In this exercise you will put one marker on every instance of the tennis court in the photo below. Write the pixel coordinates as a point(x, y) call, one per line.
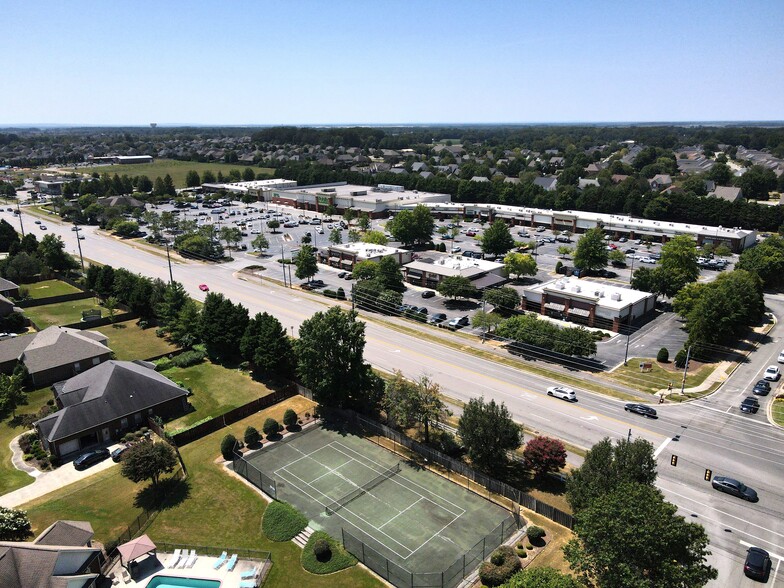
point(411, 516)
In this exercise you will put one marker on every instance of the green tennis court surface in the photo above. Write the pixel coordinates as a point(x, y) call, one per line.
point(413, 517)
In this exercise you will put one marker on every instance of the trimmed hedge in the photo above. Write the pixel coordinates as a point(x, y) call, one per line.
point(282, 522)
point(183, 360)
point(340, 559)
point(496, 574)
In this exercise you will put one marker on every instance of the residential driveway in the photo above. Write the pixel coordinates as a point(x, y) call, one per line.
point(46, 482)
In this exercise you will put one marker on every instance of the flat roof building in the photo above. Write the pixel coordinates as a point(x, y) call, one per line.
point(254, 188)
point(594, 304)
point(346, 255)
point(429, 271)
point(577, 221)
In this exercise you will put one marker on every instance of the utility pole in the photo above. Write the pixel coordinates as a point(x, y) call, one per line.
point(628, 336)
point(19, 214)
point(79, 244)
point(168, 258)
point(283, 265)
point(685, 368)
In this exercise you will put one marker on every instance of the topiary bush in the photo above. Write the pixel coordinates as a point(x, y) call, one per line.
point(680, 358)
point(271, 427)
point(289, 418)
point(282, 522)
point(227, 446)
point(535, 534)
point(341, 294)
point(251, 436)
point(339, 558)
point(663, 356)
point(322, 550)
point(493, 574)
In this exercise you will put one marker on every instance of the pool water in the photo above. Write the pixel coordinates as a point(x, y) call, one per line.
point(172, 582)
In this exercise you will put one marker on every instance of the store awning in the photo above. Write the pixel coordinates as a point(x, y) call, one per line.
point(579, 312)
point(554, 306)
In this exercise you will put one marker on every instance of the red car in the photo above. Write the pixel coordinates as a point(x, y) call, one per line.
point(471, 234)
point(204, 287)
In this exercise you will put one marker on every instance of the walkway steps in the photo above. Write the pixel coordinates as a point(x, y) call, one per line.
point(303, 537)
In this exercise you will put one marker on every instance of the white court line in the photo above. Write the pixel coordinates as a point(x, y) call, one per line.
point(329, 472)
point(661, 447)
point(344, 510)
point(401, 512)
point(747, 544)
point(427, 493)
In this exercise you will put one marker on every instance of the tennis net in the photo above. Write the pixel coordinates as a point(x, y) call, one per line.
point(354, 494)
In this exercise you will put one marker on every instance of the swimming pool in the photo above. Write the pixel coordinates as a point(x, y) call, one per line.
point(172, 582)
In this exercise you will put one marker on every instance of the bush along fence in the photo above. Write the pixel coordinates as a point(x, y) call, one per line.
point(481, 481)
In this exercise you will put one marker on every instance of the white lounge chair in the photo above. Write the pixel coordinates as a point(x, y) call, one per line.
point(174, 559)
point(183, 559)
point(232, 562)
point(192, 559)
point(125, 575)
point(219, 562)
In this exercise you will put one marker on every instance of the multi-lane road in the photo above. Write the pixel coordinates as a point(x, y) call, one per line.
point(706, 434)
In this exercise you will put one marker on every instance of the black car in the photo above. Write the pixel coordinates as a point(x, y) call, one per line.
point(436, 318)
point(734, 487)
point(317, 283)
point(749, 404)
point(428, 294)
point(757, 563)
point(342, 274)
point(118, 453)
point(642, 409)
point(85, 460)
point(761, 388)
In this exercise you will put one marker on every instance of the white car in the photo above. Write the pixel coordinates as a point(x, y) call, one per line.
point(772, 373)
point(563, 393)
point(781, 357)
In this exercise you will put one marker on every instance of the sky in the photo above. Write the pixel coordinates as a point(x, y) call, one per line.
point(300, 62)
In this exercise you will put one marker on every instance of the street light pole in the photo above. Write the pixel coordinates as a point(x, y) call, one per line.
point(685, 369)
point(79, 244)
point(168, 258)
point(19, 214)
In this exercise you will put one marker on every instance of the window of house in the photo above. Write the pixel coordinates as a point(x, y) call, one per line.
point(77, 367)
point(96, 360)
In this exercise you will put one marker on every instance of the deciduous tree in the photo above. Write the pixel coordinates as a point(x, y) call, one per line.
point(14, 525)
point(457, 287)
point(544, 455)
point(520, 264)
point(488, 432)
point(497, 240)
point(504, 299)
point(266, 345)
point(591, 253)
point(148, 461)
point(306, 263)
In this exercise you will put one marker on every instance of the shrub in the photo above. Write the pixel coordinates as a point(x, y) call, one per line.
point(251, 436)
point(535, 534)
point(341, 294)
point(493, 574)
point(680, 359)
point(289, 417)
point(522, 553)
point(558, 267)
point(188, 358)
point(163, 365)
point(330, 293)
point(339, 560)
point(271, 427)
point(282, 522)
point(663, 356)
point(27, 456)
point(322, 550)
point(227, 446)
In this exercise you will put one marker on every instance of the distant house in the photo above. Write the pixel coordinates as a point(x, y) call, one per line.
point(557, 161)
point(103, 403)
point(8, 288)
point(728, 193)
point(419, 166)
point(660, 181)
point(480, 179)
point(125, 202)
point(60, 557)
point(618, 178)
point(549, 183)
point(583, 183)
point(54, 354)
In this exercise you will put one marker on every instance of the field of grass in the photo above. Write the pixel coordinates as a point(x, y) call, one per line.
point(10, 477)
point(777, 411)
point(129, 341)
point(49, 288)
point(176, 169)
point(211, 508)
point(63, 313)
point(216, 389)
point(658, 378)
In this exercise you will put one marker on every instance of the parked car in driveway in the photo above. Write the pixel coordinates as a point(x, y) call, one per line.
point(772, 373)
point(761, 388)
point(750, 404)
point(642, 409)
point(757, 564)
point(734, 487)
point(118, 453)
point(562, 392)
point(85, 460)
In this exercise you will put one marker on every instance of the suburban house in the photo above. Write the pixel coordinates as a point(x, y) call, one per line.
point(660, 182)
point(7, 307)
point(60, 557)
point(728, 193)
point(548, 183)
point(8, 288)
point(54, 354)
point(592, 304)
point(105, 402)
point(346, 255)
point(429, 272)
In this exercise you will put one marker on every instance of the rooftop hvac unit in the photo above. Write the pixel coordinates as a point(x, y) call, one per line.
point(561, 285)
point(616, 296)
point(577, 289)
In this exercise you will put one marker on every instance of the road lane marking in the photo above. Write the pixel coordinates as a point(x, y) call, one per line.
point(747, 544)
point(661, 447)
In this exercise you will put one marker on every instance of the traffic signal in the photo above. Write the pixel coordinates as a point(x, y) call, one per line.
point(708, 475)
point(674, 460)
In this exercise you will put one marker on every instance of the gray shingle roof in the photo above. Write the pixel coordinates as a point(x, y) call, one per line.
point(27, 565)
point(56, 346)
point(73, 533)
point(105, 393)
point(6, 285)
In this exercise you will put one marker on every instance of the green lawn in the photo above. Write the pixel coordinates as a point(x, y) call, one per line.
point(129, 341)
point(216, 389)
point(49, 288)
point(777, 411)
point(658, 378)
point(63, 313)
point(217, 510)
point(10, 477)
point(176, 169)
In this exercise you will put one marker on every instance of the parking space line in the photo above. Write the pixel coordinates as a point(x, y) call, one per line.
point(747, 544)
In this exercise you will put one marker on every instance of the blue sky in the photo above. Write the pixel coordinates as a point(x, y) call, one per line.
point(389, 62)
